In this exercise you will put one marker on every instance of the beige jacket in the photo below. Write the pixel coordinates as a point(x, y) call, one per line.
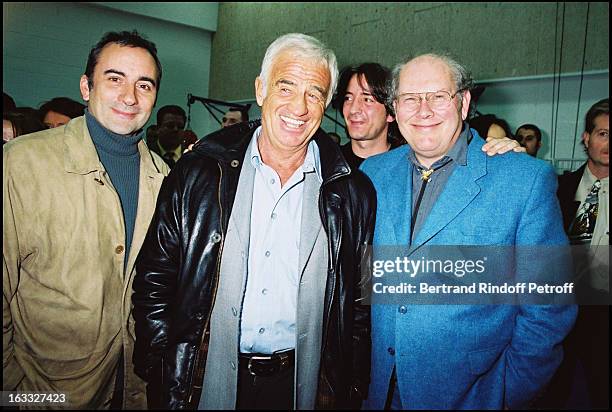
point(66, 300)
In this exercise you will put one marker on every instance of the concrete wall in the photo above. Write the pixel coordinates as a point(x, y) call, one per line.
point(495, 40)
point(510, 47)
point(45, 49)
point(515, 49)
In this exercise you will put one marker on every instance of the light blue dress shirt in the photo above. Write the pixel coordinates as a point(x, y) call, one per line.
point(270, 301)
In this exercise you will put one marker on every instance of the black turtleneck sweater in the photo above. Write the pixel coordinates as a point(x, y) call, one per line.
point(121, 160)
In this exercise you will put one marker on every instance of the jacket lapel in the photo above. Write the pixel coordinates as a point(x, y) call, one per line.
point(240, 217)
point(394, 191)
point(402, 191)
point(80, 155)
point(311, 221)
point(461, 188)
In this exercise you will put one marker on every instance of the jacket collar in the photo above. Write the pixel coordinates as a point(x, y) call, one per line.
point(81, 157)
point(232, 143)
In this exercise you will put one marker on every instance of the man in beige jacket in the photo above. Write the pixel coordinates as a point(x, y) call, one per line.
point(77, 202)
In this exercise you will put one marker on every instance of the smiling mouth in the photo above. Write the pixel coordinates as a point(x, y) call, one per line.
point(124, 114)
point(424, 126)
point(292, 123)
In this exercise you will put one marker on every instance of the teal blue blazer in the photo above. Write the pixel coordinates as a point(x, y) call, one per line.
point(468, 356)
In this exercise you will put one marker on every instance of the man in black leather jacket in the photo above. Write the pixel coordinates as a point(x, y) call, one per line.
point(193, 292)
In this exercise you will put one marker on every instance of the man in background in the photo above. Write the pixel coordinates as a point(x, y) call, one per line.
point(363, 98)
point(584, 197)
point(234, 115)
point(170, 134)
point(59, 111)
point(530, 137)
point(370, 124)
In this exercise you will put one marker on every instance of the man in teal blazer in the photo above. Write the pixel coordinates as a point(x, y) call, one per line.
point(459, 356)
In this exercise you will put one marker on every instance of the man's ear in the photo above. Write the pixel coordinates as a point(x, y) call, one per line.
point(585, 139)
point(465, 104)
point(259, 91)
point(84, 87)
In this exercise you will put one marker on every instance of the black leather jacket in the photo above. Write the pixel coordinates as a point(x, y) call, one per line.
point(178, 271)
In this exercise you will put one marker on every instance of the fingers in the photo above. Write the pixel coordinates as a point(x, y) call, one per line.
point(500, 146)
point(189, 148)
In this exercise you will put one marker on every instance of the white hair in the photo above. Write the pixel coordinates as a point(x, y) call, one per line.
point(303, 46)
point(460, 75)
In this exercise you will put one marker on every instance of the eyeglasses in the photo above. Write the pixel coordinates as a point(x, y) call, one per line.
point(437, 100)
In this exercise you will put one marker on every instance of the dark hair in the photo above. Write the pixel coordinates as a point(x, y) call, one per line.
point(534, 128)
point(376, 77)
point(62, 105)
point(483, 122)
point(170, 109)
point(124, 38)
point(599, 108)
point(244, 113)
point(8, 104)
point(24, 121)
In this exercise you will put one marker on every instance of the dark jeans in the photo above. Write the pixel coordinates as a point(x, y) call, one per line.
point(260, 392)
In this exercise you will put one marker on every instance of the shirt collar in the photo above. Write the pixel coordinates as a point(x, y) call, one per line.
point(591, 177)
point(177, 152)
point(312, 162)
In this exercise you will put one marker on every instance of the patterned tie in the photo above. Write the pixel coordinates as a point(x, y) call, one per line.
point(581, 229)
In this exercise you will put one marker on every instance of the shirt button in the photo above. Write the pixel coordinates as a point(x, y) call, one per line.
point(119, 249)
point(402, 309)
point(234, 311)
point(264, 292)
point(267, 253)
point(262, 330)
point(391, 351)
point(273, 216)
point(272, 181)
point(233, 365)
point(216, 238)
point(234, 163)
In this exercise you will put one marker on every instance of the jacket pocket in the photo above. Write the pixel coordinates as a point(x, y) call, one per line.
point(484, 235)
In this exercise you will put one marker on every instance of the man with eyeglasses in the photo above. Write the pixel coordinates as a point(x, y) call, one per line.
point(368, 114)
point(441, 189)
